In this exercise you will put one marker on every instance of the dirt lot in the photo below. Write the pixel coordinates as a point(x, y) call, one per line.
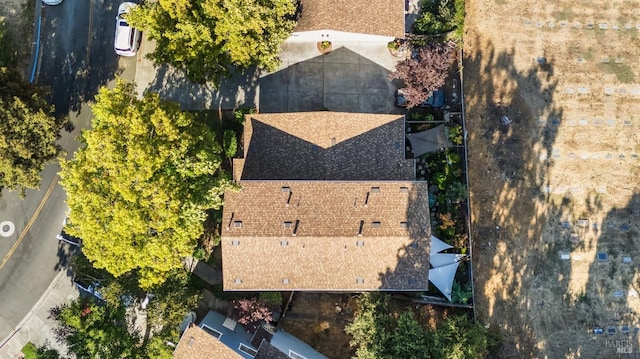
point(561, 178)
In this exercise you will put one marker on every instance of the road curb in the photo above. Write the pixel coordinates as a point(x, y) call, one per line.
point(36, 307)
point(35, 48)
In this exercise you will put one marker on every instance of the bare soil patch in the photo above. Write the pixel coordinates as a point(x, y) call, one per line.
point(561, 179)
point(318, 319)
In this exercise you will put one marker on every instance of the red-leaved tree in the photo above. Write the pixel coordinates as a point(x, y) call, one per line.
point(424, 72)
point(250, 312)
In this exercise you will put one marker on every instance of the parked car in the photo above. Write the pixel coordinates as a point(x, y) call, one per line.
point(51, 2)
point(127, 38)
point(436, 99)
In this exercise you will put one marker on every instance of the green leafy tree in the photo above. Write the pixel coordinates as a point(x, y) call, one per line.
point(167, 306)
point(230, 143)
point(459, 337)
point(139, 190)
point(95, 331)
point(441, 16)
point(208, 38)
point(166, 310)
point(28, 130)
point(409, 339)
point(376, 333)
point(371, 327)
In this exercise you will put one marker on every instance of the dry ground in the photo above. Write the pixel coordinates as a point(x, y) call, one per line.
point(571, 153)
point(318, 319)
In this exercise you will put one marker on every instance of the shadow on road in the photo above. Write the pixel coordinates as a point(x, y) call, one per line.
point(76, 52)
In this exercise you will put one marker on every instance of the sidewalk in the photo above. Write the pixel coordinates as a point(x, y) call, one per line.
point(171, 84)
point(36, 327)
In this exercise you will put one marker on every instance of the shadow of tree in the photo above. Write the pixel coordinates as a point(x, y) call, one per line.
point(509, 191)
point(75, 64)
point(238, 90)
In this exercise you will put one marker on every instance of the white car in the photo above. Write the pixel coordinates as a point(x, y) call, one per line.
point(127, 38)
point(52, 2)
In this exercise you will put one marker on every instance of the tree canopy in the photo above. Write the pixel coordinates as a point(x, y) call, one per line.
point(165, 310)
point(424, 73)
point(139, 190)
point(209, 38)
point(380, 334)
point(28, 129)
point(93, 330)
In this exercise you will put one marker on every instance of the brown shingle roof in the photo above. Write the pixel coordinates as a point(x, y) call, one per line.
point(195, 343)
point(324, 146)
point(261, 252)
point(374, 17)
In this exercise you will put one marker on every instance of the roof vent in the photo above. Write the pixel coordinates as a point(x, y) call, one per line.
point(375, 189)
point(237, 281)
point(235, 242)
point(289, 198)
point(361, 227)
point(287, 224)
point(285, 189)
point(333, 141)
point(404, 224)
point(191, 342)
point(360, 243)
point(360, 280)
point(295, 228)
point(285, 280)
point(237, 224)
point(404, 189)
point(284, 243)
point(376, 224)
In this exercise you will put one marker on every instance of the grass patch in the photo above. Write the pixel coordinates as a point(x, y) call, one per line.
point(598, 33)
point(501, 2)
point(588, 55)
point(563, 14)
point(623, 72)
point(30, 351)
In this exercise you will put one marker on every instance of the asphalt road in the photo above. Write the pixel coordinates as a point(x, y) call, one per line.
point(76, 58)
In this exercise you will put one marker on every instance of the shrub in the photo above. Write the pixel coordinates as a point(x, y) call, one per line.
point(230, 143)
point(250, 312)
point(425, 73)
point(272, 298)
point(454, 133)
point(441, 16)
point(238, 114)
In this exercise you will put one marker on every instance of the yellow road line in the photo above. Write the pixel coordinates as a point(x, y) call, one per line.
point(31, 221)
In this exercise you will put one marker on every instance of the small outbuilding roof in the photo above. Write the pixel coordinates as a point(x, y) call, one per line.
point(195, 343)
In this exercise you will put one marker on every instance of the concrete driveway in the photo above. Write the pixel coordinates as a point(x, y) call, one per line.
point(351, 78)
